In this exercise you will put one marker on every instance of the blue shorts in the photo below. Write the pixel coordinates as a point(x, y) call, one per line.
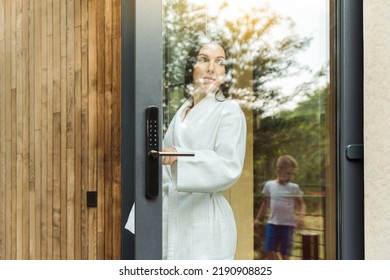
point(279, 238)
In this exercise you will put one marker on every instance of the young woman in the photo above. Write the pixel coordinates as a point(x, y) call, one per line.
point(198, 222)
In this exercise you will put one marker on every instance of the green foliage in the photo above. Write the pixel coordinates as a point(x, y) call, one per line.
point(301, 133)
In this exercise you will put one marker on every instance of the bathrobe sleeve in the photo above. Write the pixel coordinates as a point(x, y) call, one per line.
point(216, 169)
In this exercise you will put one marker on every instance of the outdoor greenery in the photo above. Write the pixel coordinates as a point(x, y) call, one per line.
point(301, 133)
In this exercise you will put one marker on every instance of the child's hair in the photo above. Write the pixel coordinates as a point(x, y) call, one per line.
point(286, 161)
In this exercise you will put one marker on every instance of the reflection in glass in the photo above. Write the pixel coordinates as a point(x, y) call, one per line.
point(281, 79)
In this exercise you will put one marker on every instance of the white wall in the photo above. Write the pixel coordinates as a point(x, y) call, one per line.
point(377, 128)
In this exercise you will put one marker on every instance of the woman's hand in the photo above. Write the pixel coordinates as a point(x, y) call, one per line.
point(169, 160)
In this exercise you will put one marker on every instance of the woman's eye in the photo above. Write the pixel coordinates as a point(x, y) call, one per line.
point(221, 62)
point(202, 59)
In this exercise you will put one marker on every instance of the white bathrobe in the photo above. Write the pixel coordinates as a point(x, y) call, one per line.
point(198, 222)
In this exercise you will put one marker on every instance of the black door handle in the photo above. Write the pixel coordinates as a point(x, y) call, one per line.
point(153, 152)
point(156, 154)
point(354, 151)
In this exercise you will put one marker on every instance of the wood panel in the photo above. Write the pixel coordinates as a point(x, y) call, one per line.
point(60, 136)
point(242, 193)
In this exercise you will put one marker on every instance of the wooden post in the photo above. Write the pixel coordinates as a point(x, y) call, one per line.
point(309, 246)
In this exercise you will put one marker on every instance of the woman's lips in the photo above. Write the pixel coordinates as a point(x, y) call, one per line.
point(208, 79)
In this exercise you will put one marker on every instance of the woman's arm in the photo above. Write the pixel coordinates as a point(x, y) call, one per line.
point(214, 170)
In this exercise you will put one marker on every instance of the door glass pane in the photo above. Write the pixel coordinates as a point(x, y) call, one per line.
point(282, 79)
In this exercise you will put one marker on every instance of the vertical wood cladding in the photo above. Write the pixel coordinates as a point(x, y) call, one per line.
point(60, 96)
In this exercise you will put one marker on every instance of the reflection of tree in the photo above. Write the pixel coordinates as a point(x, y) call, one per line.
point(182, 21)
point(262, 56)
point(259, 57)
point(300, 132)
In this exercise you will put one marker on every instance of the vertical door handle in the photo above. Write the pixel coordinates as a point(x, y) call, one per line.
point(153, 152)
point(152, 168)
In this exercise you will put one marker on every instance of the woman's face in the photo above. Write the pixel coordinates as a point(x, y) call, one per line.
point(209, 69)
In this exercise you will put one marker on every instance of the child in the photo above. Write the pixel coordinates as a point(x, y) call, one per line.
point(282, 197)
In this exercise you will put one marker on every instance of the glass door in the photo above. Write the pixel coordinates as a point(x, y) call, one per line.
point(284, 60)
point(280, 53)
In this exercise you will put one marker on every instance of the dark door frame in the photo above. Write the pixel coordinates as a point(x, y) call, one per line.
point(128, 121)
point(141, 87)
point(350, 175)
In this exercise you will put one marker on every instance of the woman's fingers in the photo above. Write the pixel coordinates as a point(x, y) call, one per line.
point(169, 160)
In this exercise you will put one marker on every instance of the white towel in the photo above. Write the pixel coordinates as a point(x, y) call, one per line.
point(130, 225)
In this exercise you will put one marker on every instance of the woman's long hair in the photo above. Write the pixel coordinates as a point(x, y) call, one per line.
point(191, 61)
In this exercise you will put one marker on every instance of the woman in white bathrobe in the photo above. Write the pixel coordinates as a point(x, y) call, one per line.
point(198, 222)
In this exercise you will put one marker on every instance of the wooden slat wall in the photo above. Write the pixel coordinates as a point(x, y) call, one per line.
point(60, 102)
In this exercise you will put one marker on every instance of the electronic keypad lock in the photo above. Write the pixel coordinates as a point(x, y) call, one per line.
point(153, 152)
point(152, 144)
